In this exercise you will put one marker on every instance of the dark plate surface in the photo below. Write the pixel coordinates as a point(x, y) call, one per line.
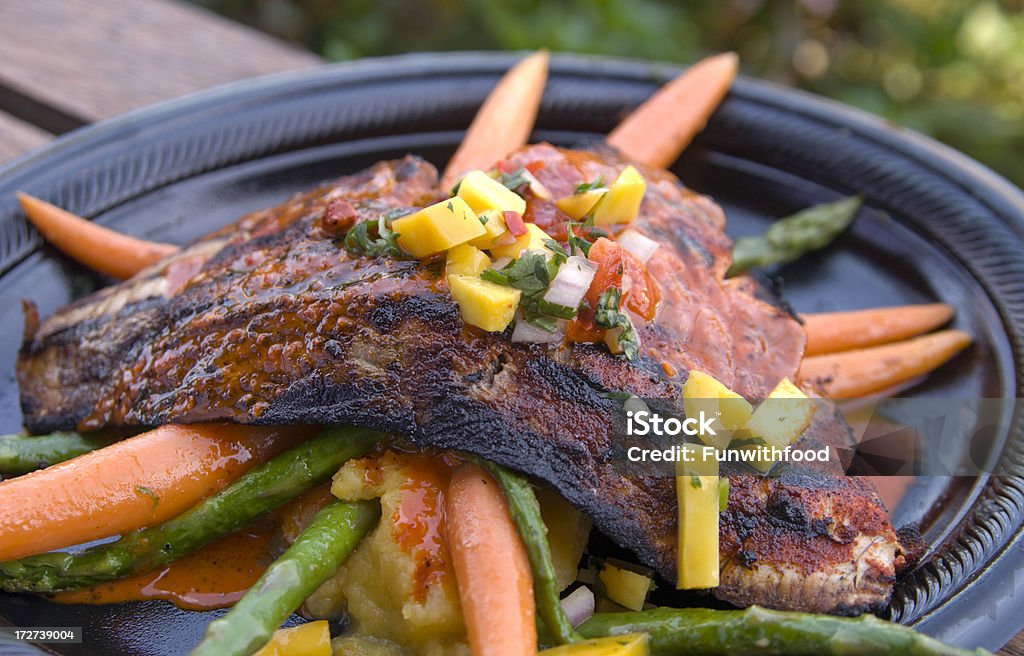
point(936, 226)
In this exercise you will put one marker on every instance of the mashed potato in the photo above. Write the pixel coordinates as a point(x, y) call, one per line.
point(399, 587)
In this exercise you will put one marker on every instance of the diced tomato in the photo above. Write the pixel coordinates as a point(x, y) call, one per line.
point(514, 223)
point(607, 255)
point(643, 295)
point(613, 265)
point(534, 166)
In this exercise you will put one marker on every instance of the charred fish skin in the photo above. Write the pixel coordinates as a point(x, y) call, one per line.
point(270, 321)
point(809, 536)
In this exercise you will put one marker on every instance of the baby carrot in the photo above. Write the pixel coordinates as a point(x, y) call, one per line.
point(661, 128)
point(832, 332)
point(504, 121)
point(491, 567)
point(857, 373)
point(137, 482)
point(98, 248)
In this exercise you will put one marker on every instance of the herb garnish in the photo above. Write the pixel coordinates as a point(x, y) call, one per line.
point(557, 249)
point(607, 315)
point(584, 187)
point(577, 243)
point(515, 179)
point(374, 238)
point(532, 274)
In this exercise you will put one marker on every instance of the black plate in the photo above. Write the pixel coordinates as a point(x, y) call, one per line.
point(937, 226)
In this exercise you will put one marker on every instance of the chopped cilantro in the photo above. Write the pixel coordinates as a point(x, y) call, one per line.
point(590, 186)
point(607, 315)
point(555, 248)
point(360, 240)
point(529, 274)
point(577, 243)
point(451, 208)
point(544, 323)
point(483, 219)
point(397, 213)
point(532, 274)
point(556, 310)
point(747, 441)
point(515, 179)
point(695, 481)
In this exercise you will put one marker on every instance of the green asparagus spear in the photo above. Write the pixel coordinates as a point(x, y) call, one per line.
point(261, 489)
point(311, 560)
point(522, 503)
point(759, 631)
point(20, 454)
point(791, 237)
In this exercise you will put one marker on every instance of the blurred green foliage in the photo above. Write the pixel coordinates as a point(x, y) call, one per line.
point(953, 69)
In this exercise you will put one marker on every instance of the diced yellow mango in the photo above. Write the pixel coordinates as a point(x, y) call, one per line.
point(309, 639)
point(627, 644)
point(622, 202)
point(482, 193)
point(465, 260)
point(577, 205)
point(437, 228)
point(697, 493)
point(533, 240)
point(484, 304)
point(494, 228)
point(625, 587)
point(779, 421)
point(704, 393)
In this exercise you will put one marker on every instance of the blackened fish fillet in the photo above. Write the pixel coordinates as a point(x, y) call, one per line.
point(270, 321)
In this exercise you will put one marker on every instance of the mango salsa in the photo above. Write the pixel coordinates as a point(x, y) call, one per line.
point(533, 240)
point(494, 228)
point(779, 421)
point(484, 304)
point(704, 393)
point(627, 644)
point(625, 587)
point(697, 493)
point(622, 202)
point(577, 205)
point(482, 192)
point(465, 260)
point(309, 639)
point(437, 228)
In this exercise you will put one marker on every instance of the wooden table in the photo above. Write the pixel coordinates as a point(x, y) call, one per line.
point(68, 63)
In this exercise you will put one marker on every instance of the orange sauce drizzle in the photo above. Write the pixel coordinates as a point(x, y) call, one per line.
point(418, 519)
point(213, 577)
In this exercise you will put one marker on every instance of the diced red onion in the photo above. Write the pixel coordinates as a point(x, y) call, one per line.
point(640, 246)
point(536, 187)
point(501, 262)
point(571, 282)
point(527, 333)
point(579, 605)
point(504, 239)
point(514, 223)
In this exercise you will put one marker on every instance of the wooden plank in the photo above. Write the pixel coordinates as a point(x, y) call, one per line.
point(88, 60)
point(18, 137)
point(1015, 647)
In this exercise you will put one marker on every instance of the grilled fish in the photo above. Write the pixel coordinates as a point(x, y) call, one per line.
point(271, 321)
